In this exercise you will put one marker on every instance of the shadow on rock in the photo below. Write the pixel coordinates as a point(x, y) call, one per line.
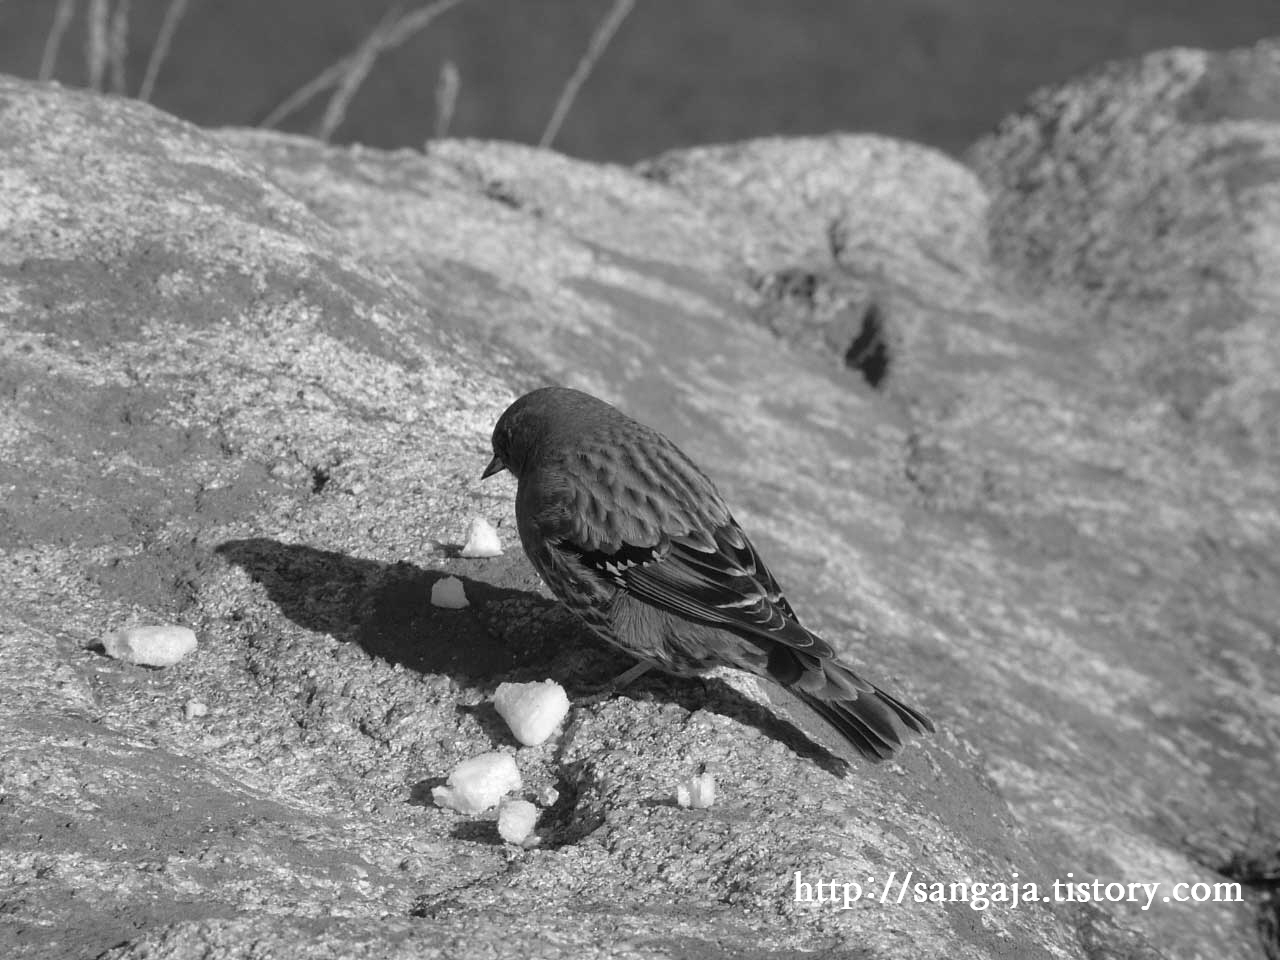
point(505, 633)
point(385, 608)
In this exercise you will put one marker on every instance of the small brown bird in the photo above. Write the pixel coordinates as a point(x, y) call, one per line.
point(635, 540)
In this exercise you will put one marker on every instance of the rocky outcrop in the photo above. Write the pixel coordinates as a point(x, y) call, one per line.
point(1006, 431)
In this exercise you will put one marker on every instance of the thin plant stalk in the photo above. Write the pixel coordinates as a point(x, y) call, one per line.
point(168, 27)
point(95, 42)
point(447, 88)
point(359, 66)
point(332, 76)
point(599, 40)
point(118, 45)
point(53, 42)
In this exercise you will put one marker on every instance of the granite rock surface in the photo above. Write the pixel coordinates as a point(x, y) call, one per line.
point(1007, 430)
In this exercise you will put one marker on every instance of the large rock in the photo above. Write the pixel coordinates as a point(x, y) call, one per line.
point(1007, 434)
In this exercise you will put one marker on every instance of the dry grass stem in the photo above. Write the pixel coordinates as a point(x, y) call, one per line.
point(95, 43)
point(118, 46)
point(599, 40)
point(336, 75)
point(359, 65)
point(447, 88)
point(53, 42)
point(168, 27)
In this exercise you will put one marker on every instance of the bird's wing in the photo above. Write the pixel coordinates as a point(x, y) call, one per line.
point(645, 519)
point(716, 578)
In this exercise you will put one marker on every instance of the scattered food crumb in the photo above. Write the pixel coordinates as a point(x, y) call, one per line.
point(286, 470)
point(482, 540)
point(161, 646)
point(698, 792)
point(532, 710)
point(194, 708)
point(477, 784)
point(516, 819)
point(447, 592)
point(548, 796)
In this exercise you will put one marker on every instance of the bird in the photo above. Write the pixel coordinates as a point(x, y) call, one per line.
point(632, 537)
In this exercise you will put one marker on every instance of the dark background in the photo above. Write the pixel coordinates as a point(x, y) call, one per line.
point(678, 72)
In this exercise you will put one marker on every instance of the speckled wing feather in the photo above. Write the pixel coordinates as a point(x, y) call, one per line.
point(648, 521)
point(725, 586)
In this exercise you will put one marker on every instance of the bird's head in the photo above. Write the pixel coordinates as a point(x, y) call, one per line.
point(541, 422)
point(524, 428)
point(508, 451)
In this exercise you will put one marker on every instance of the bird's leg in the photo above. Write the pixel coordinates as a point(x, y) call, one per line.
point(616, 684)
point(624, 678)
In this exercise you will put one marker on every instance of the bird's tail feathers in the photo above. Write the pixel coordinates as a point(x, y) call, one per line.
point(874, 722)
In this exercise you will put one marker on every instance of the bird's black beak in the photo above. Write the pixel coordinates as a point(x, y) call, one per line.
point(495, 466)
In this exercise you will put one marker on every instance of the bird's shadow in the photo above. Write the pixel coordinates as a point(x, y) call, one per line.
point(506, 632)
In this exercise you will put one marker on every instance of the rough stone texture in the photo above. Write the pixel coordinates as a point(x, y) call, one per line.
point(1007, 433)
